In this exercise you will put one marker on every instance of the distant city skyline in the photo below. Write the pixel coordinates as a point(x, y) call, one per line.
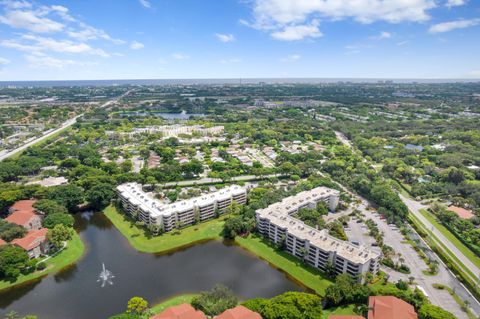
point(188, 39)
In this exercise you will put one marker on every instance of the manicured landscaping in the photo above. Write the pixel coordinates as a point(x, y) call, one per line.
point(177, 300)
point(302, 273)
point(141, 241)
point(342, 310)
point(69, 255)
point(451, 237)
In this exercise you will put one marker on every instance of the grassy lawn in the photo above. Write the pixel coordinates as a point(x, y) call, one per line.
point(451, 237)
point(166, 242)
point(172, 302)
point(344, 310)
point(306, 275)
point(68, 256)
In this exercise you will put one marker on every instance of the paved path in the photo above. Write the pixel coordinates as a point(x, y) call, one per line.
point(415, 208)
point(65, 125)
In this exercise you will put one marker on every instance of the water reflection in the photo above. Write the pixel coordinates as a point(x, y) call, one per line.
point(73, 292)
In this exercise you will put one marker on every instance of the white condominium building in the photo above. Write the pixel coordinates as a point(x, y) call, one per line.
point(186, 212)
point(176, 130)
point(317, 247)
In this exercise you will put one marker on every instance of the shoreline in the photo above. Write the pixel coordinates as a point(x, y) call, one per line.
point(303, 275)
point(76, 250)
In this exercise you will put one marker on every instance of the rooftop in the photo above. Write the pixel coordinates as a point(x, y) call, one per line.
point(390, 307)
point(461, 212)
point(279, 214)
point(135, 194)
point(239, 312)
point(33, 239)
point(182, 311)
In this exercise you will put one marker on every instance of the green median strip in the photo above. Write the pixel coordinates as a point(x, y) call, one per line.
point(66, 257)
point(451, 237)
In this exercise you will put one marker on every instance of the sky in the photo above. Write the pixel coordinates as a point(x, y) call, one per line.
point(180, 39)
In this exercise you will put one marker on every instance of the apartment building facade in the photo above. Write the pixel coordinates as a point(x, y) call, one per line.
point(277, 222)
point(143, 207)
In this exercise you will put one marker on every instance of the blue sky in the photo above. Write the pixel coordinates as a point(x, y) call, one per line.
point(140, 39)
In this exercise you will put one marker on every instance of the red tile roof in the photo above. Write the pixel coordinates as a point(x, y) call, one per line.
point(345, 317)
point(23, 205)
point(20, 218)
point(22, 212)
point(461, 212)
point(2, 242)
point(33, 239)
point(183, 311)
point(390, 307)
point(239, 312)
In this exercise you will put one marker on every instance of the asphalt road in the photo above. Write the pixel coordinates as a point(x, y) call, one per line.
point(66, 124)
point(415, 208)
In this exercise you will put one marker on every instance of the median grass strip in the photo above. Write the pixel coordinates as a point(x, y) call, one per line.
point(141, 241)
point(451, 237)
point(300, 272)
point(69, 255)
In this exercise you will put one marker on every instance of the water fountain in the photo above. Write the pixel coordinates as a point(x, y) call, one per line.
point(105, 276)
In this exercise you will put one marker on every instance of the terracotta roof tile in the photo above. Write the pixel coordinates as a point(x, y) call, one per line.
point(33, 239)
point(182, 311)
point(2, 242)
point(239, 312)
point(390, 307)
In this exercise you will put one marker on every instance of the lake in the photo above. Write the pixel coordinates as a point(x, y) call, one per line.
point(75, 293)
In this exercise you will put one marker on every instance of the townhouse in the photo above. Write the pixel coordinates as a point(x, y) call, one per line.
point(277, 222)
point(179, 214)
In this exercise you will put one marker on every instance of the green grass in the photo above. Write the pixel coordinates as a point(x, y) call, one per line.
point(177, 300)
point(66, 257)
point(451, 237)
point(297, 270)
point(141, 241)
point(343, 310)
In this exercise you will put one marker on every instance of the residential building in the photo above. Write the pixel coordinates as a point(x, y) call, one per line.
point(239, 312)
point(182, 213)
point(22, 213)
point(183, 311)
point(390, 307)
point(2, 242)
point(461, 212)
point(35, 243)
point(321, 250)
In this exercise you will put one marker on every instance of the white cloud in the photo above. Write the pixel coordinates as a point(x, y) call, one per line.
point(455, 3)
point(31, 20)
point(402, 43)
point(383, 35)
point(180, 56)
point(291, 58)
point(37, 45)
point(4, 61)
point(225, 37)
point(298, 32)
point(135, 45)
point(145, 3)
point(49, 62)
point(453, 25)
point(474, 74)
point(16, 4)
point(280, 16)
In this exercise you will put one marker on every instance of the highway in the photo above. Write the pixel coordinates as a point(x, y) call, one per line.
point(46, 135)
